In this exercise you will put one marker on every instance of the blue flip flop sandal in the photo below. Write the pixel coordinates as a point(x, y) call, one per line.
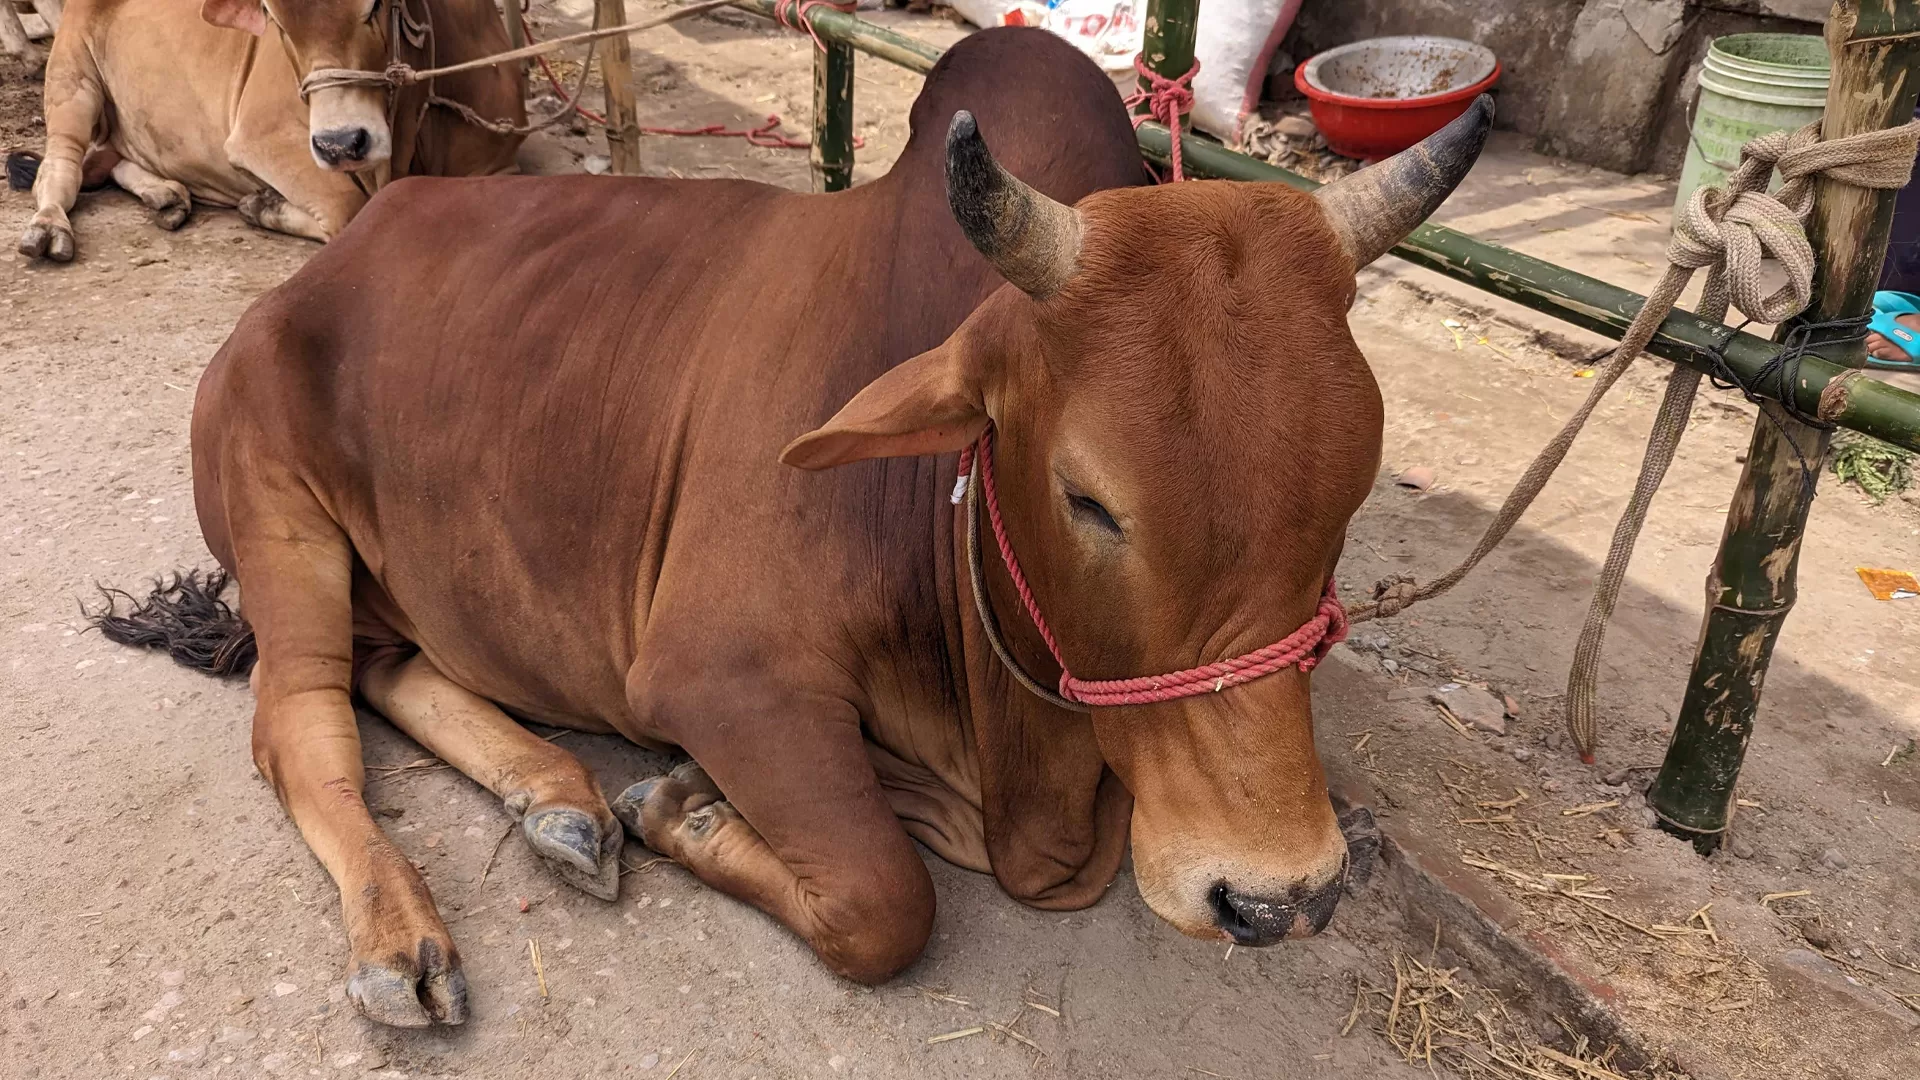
point(1886, 306)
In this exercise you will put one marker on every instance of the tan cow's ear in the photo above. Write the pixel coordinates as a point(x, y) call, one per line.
point(929, 405)
point(248, 15)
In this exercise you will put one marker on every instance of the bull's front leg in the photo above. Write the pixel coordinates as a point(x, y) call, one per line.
point(296, 196)
point(781, 809)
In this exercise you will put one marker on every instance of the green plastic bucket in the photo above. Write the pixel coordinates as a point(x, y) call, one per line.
point(1750, 84)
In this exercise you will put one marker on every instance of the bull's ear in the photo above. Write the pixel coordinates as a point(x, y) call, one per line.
point(248, 15)
point(929, 405)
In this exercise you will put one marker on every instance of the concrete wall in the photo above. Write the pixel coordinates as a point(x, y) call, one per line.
point(1605, 82)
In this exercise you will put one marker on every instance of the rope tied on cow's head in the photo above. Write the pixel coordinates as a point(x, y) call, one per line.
point(1167, 100)
point(1729, 232)
point(1303, 649)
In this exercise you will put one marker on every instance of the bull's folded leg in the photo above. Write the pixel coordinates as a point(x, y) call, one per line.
point(168, 199)
point(295, 568)
point(803, 833)
point(558, 802)
point(268, 209)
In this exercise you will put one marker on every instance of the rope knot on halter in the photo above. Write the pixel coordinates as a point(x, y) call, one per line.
point(393, 77)
point(1167, 100)
point(1302, 649)
point(797, 15)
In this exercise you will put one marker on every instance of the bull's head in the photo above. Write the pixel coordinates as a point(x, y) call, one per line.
point(347, 125)
point(1183, 427)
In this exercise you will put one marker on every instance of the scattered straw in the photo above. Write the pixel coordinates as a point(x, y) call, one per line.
point(539, 971)
point(495, 855)
point(1590, 808)
point(941, 995)
point(961, 1034)
point(629, 868)
point(1519, 796)
point(1767, 900)
point(1452, 720)
point(1891, 961)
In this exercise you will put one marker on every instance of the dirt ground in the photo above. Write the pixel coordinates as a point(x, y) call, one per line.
point(160, 917)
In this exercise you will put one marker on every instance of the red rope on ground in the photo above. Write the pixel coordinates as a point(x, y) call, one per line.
point(1304, 648)
point(1167, 100)
point(764, 135)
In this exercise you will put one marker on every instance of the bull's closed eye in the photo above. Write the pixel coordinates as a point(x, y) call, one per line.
point(1088, 509)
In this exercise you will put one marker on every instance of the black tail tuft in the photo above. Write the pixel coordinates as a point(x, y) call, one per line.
point(185, 616)
point(22, 167)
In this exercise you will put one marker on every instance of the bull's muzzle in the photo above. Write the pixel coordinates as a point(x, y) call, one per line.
point(1254, 920)
point(343, 148)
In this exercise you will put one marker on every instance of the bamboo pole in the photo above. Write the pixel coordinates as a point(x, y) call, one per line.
point(1167, 42)
point(1751, 587)
point(831, 149)
point(616, 71)
point(876, 41)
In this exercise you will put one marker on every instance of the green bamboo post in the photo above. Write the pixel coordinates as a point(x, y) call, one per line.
point(1751, 587)
point(616, 71)
point(516, 30)
point(1167, 41)
point(831, 152)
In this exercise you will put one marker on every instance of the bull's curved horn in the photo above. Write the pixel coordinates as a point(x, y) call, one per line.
point(1377, 207)
point(1032, 240)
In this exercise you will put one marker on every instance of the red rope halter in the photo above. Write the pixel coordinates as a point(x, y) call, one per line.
point(1304, 648)
point(1166, 100)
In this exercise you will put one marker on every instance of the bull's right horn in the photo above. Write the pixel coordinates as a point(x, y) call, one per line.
point(1032, 240)
point(1377, 207)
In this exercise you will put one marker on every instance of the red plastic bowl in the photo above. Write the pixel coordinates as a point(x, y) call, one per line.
point(1374, 98)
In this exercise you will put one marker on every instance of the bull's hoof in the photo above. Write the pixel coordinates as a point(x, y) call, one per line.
point(257, 207)
point(655, 805)
point(579, 849)
point(173, 215)
point(413, 991)
point(44, 240)
point(1363, 846)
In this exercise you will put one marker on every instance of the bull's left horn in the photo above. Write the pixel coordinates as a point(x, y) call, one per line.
point(1032, 240)
point(1377, 207)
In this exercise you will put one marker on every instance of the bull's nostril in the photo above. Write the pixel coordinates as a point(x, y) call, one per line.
point(1254, 920)
point(357, 144)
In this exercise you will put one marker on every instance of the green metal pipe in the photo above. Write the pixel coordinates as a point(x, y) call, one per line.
point(1886, 412)
point(1870, 406)
point(831, 149)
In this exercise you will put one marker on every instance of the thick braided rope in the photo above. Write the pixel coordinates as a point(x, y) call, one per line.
point(1167, 100)
point(1730, 233)
point(1303, 649)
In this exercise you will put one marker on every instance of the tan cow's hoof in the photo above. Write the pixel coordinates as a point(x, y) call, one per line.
point(412, 991)
point(172, 215)
point(585, 854)
point(258, 208)
point(43, 240)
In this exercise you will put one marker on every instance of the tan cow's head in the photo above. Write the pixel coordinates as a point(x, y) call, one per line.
point(1183, 427)
point(347, 126)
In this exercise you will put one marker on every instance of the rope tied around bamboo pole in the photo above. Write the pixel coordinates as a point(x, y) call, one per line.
point(797, 15)
point(1729, 232)
point(1167, 100)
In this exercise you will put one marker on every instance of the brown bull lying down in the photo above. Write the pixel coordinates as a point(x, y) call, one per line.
point(177, 106)
point(567, 508)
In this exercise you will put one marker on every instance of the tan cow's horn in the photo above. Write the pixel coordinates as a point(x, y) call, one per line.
point(1377, 207)
point(1032, 240)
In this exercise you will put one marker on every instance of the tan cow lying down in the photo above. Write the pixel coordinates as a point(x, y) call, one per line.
point(177, 105)
point(571, 508)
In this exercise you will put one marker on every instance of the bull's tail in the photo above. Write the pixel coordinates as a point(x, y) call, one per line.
point(22, 167)
point(185, 616)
